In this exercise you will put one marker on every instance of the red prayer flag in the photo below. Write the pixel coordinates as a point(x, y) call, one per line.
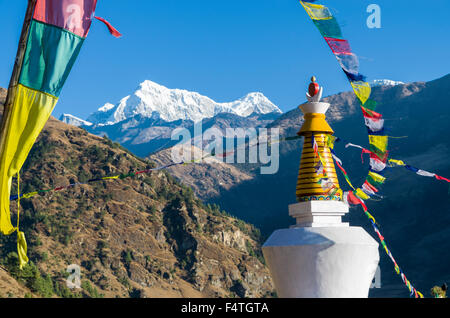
point(375, 157)
point(371, 114)
point(111, 29)
point(352, 199)
point(363, 151)
point(442, 178)
point(339, 46)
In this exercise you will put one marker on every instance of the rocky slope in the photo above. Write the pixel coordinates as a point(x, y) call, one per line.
point(208, 178)
point(148, 236)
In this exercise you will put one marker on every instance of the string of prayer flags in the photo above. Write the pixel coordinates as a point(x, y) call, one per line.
point(420, 172)
point(349, 62)
point(354, 200)
point(116, 177)
point(130, 175)
point(357, 197)
point(369, 187)
point(379, 165)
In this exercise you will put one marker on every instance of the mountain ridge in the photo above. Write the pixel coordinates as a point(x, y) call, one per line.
point(144, 122)
point(154, 100)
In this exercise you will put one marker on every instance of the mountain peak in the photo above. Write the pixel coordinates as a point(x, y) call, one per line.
point(74, 121)
point(151, 99)
point(106, 107)
point(255, 96)
point(150, 85)
point(385, 82)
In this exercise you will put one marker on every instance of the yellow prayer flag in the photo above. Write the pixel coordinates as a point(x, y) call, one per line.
point(376, 177)
point(317, 11)
point(397, 162)
point(362, 90)
point(22, 249)
point(29, 113)
point(110, 178)
point(331, 141)
point(29, 195)
point(380, 142)
point(361, 194)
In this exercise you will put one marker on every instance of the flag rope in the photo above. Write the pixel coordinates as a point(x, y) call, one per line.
point(122, 176)
point(354, 198)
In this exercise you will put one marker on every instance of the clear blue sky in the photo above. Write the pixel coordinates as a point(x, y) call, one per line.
point(226, 49)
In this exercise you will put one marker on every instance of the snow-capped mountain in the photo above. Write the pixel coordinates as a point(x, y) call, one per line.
point(385, 82)
point(152, 100)
point(75, 121)
point(143, 122)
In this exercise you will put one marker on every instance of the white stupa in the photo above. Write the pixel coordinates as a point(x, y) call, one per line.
point(320, 257)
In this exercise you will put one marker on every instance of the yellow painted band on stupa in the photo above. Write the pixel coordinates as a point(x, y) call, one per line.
point(309, 178)
point(326, 157)
point(315, 123)
point(312, 191)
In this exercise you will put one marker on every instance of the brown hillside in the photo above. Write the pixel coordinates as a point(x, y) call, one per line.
point(146, 236)
point(207, 178)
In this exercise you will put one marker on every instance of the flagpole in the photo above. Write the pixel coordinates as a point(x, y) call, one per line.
point(16, 71)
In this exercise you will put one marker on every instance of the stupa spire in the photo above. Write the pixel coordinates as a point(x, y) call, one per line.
point(317, 179)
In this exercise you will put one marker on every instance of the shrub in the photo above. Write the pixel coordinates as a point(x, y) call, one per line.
point(30, 276)
point(92, 291)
